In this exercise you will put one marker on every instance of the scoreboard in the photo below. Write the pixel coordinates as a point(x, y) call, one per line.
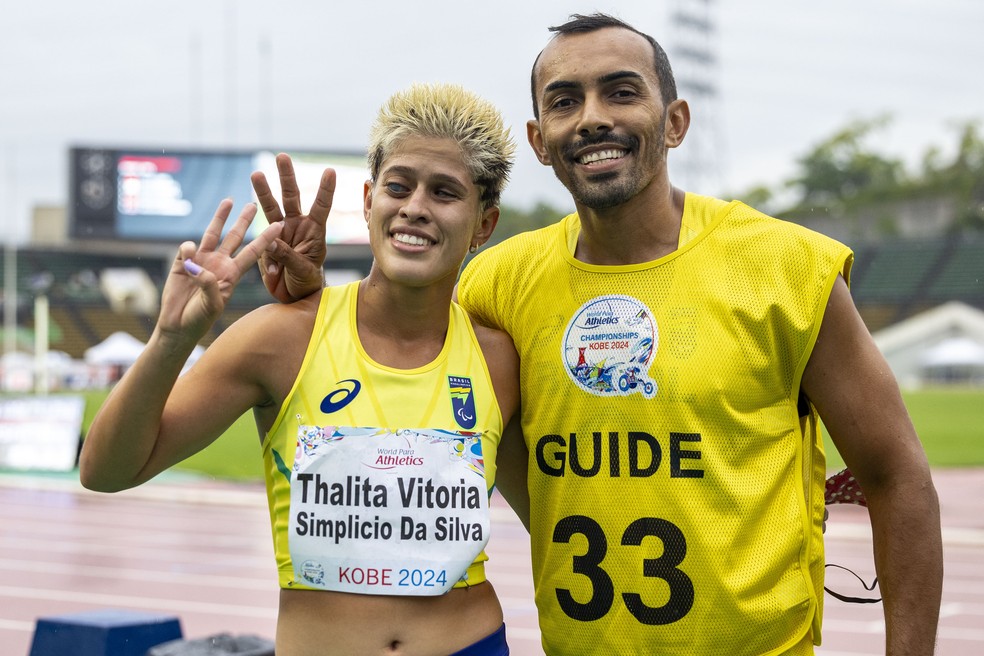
point(156, 194)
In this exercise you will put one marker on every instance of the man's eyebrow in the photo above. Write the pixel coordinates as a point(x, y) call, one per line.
point(560, 84)
point(619, 75)
point(604, 79)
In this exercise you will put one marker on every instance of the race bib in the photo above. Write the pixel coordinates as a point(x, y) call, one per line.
point(378, 511)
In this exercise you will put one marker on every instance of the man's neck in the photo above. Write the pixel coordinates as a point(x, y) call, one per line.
point(643, 229)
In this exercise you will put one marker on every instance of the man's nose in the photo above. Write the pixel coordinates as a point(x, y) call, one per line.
point(594, 116)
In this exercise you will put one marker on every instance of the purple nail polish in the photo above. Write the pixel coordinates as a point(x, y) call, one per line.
point(191, 267)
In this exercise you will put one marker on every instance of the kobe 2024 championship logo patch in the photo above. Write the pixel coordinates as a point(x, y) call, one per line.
point(462, 401)
point(608, 347)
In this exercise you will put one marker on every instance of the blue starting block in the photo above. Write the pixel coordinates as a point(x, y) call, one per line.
point(102, 633)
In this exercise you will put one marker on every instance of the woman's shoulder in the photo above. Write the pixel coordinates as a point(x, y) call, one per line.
point(281, 323)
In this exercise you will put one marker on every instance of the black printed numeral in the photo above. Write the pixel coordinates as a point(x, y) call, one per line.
point(665, 567)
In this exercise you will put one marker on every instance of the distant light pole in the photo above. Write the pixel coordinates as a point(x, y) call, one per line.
point(232, 84)
point(694, 50)
point(10, 261)
point(40, 285)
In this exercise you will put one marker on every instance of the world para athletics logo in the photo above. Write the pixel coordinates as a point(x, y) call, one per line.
point(462, 401)
point(609, 345)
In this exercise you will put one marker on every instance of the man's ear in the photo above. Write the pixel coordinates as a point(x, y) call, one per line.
point(677, 122)
point(367, 199)
point(486, 225)
point(535, 138)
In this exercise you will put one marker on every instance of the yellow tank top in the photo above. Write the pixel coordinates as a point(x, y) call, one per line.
point(339, 385)
point(675, 474)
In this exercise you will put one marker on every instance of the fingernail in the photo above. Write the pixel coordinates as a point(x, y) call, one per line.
point(271, 247)
point(273, 268)
point(191, 267)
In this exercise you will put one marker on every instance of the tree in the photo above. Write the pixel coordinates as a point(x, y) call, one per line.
point(961, 179)
point(844, 179)
point(842, 168)
point(513, 221)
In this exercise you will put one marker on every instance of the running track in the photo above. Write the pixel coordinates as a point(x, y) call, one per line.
point(202, 552)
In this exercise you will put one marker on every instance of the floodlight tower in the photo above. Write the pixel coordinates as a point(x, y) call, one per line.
point(697, 164)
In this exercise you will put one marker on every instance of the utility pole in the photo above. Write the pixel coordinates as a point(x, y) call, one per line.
point(693, 53)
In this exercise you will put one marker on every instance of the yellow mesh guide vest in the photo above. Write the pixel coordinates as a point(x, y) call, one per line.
point(337, 373)
point(675, 474)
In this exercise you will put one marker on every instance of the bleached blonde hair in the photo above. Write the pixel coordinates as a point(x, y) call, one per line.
point(447, 111)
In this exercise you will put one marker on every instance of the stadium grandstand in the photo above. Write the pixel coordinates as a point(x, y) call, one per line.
point(83, 312)
point(894, 279)
point(891, 281)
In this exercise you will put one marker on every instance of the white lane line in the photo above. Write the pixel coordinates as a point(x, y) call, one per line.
point(520, 633)
point(81, 531)
point(955, 633)
point(878, 627)
point(16, 625)
point(177, 554)
point(188, 493)
point(854, 626)
point(176, 606)
point(955, 536)
point(120, 574)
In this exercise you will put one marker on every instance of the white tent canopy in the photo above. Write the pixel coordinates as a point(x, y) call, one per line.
point(123, 349)
point(942, 344)
point(955, 352)
point(120, 348)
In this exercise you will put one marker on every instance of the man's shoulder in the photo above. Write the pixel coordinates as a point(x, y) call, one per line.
point(536, 238)
point(740, 213)
point(520, 249)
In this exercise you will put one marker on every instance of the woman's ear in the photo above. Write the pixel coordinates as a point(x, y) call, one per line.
point(367, 200)
point(486, 225)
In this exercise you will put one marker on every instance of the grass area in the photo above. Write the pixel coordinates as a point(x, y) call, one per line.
point(950, 423)
point(235, 455)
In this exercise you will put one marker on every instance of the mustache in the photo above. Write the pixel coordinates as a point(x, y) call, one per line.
point(627, 142)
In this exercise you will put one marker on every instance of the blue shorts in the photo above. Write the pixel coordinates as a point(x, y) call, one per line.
point(491, 645)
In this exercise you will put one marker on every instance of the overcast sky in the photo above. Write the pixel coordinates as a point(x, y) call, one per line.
point(310, 74)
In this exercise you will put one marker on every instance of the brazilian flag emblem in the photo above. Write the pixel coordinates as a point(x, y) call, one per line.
point(462, 401)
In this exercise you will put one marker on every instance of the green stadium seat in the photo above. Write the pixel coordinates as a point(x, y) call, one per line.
point(897, 270)
point(962, 277)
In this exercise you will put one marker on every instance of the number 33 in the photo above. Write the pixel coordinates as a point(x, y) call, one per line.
point(665, 567)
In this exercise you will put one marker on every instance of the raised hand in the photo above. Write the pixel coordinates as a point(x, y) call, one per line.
point(202, 278)
point(291, 268)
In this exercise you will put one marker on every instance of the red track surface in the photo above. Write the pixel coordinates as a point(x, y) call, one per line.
point(202, 552)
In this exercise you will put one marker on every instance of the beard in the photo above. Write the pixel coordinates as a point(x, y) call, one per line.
point(602, 194)
point(606, 190)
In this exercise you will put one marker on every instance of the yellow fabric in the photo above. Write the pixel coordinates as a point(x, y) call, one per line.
point(386, 398)
point(676, 490)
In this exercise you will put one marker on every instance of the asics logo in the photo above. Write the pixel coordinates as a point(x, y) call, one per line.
point(340, 397)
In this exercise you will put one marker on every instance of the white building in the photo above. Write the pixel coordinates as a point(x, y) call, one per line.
point(943, 345)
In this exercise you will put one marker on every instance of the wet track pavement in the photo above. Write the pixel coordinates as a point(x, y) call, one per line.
point(202, 551)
